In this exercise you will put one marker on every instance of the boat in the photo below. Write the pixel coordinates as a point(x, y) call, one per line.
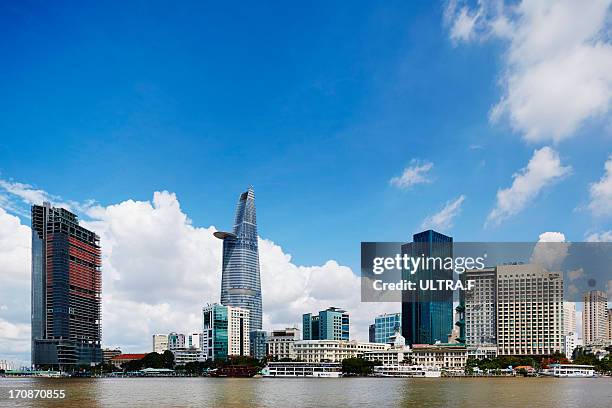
point(406, 371)
point(569, 371)
point(234, 371)
point(302, 369)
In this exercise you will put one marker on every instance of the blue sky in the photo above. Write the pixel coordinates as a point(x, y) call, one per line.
point(317, 105)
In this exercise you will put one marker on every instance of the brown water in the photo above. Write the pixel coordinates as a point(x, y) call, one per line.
point(311, 392)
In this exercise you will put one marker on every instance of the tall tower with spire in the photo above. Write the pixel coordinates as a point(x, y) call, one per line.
point(240, 282)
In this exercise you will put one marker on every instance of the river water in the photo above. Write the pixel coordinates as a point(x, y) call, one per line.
point(312, 392)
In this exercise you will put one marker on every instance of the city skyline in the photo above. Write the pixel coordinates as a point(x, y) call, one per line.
point(367, 122)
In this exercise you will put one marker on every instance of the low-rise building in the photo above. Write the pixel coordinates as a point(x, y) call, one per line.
point(280, 343)
point(121, 359)
point(446, 356)
point(108, 353)
point(188, 355)
point(481, 352)
point(317, 351)
point(398, 353)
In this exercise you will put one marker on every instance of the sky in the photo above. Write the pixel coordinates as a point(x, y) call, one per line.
point(354, 121)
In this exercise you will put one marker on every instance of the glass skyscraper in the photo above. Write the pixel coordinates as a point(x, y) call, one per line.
point(427, 316)
point(240, 282)
point(329, 324)
point(385, 326)
point(66, 290)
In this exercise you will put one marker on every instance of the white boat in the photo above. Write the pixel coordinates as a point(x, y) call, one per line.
point(409, 371)
point(302, 369)
point(570, 371)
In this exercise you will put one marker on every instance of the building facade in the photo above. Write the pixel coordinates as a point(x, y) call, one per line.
point(609, 326)
point(329, 324)
point(225, 332)
point(481, 308)
point(280, 344)
point(176, 341)
point(318, 351)
point(108, 354)
point(385, 327)
point(529, 310)
point(427, 316)
point(240, 278)
point(66, 290)
point(444, 356)
point(160, 343)
point(257, 339)
point(594, 317)
point(569, 317)
point(194, 341)
point(188, 355)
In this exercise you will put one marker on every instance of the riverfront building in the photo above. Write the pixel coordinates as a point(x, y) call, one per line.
point(176, 341)
point(66, 290)
point(427, 316)
point(280, 343)
point(188, 355)
point(481, 308)
point(529, 310)
point(316, 351)
point(385, 327)
point(329, 324)
point(446, 356)
point(398, 353)
point(240, 280)
point(225, 332)
point(594, 317)
point(160, 343)
point(108, 354)
point(194, 341)
point(257, 339)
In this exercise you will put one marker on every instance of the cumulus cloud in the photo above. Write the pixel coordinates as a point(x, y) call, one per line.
point(601, 192)
point(557, 70)
point(551, 250)
point(159, 270)
point(544, 168)
point(416, 173)
point(443, 219)
point(603, 236)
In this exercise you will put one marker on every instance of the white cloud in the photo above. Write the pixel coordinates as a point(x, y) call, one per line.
point(551, 250)
point(159, 270)
point(443, 220)
point(544, 168)
point(551, 236)
point(416, 173)
point(601, 192)
point(557, 70)
point(603, 236)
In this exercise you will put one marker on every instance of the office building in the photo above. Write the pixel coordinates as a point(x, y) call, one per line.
point(569, 317)
point(317, 351)
point(160, 343)
point(194, 341)
point(372, 333)
point(257, 346)
point(176, 341)
point(594, 317)
point(280, 344)
point(481, 308)
point(386, 326)
point(240, 281)
point(529, 310)
point(427, 316)
point(225, 332)
point(66, 290)
point(108, 354)
point(329, 324)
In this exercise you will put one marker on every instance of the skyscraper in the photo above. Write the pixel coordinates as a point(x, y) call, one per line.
point(240, 282)
point(481, 308)
point(66, 290)
point(385, 326)
point(329, 324)
point(427, 316)
point(594, 317)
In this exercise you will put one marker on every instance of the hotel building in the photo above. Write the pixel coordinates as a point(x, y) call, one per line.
point(481, 308)
point(447, 356)
point(317, 351)
point(594, 317)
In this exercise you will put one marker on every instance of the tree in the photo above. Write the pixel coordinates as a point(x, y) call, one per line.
point(358, 366)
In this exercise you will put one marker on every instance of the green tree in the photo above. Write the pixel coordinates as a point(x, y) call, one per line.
point(358, 366)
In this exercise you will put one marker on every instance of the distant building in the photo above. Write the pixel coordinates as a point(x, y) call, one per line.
point(569, 318)
point(594, 317)
point(372, 333)
point(160, 343)
point(188, 355)
point(447, 356)
point(481, 308)
point(317, 351)
point(529, 310)
point(121, 359)
point(66, 290)
point(194, 341)
point(257, 339)
point(609, 326)
point(240, 280)
point(176, 341)
point(398, 353)
point(107, 354)
point(427, 316)
point(386, 326)
point(280, 343)
point(481, 352)
point(225, 332)
point(330, 324)
point(570, 341)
